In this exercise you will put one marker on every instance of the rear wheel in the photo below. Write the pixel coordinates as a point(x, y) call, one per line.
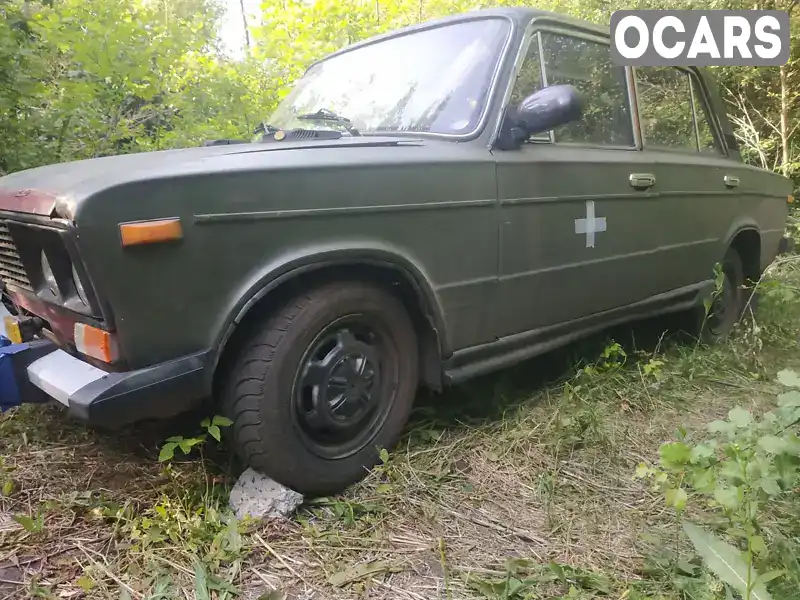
point(727, 304)
point(323, 385)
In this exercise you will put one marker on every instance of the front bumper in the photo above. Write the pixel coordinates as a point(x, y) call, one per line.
point(116, 399)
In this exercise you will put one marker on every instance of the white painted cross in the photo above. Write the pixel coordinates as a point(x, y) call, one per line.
point(590, 225)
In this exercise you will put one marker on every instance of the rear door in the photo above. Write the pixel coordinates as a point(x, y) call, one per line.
point(698, 186)
point(579, 222)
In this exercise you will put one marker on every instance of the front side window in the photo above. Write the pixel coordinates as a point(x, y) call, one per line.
point(586, 65)
point(436, 80)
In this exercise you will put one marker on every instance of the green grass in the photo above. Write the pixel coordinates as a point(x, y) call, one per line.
point(518, 485)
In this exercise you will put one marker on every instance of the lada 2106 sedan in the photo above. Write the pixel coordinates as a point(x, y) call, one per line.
point(424, 206)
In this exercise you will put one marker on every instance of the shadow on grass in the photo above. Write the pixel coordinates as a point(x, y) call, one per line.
point(486, 398)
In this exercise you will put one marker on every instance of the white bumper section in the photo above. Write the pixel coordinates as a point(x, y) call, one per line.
point(60, 375)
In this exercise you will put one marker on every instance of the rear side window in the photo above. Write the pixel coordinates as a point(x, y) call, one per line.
point(705, 134)
point(665, 107)
point(672, 112)
point(586, 65)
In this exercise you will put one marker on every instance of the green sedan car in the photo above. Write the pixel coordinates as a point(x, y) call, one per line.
point(425, 206)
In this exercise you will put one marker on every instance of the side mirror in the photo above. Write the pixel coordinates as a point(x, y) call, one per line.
point(548, 108)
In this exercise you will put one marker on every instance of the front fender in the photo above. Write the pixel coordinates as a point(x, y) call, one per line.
point(298, 261)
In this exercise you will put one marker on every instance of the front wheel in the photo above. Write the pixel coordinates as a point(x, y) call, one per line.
point(323, 385)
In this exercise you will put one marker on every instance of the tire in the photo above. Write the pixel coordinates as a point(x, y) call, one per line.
point(302, 379)
point(728, 305)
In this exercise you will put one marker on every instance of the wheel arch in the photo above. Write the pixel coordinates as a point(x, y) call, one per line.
point(746, 240)
point(277, 282)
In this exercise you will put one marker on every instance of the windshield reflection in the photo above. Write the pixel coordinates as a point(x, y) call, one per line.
point(435, 80)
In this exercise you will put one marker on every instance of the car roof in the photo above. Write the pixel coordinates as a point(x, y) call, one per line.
point(519, 15)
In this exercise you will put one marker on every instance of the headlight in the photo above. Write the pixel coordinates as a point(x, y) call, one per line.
point(49, 277)
point(79, 287)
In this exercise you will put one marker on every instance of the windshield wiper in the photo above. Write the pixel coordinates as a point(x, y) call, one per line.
point(323, 114)
point(264, 128)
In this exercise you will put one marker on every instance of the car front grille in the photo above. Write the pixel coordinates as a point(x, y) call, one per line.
point(11, 270)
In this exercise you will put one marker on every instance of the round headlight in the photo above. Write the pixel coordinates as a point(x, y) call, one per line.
point(79, 287)
point(49, 277)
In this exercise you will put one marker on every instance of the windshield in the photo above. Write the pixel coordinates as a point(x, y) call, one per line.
point(435, 80)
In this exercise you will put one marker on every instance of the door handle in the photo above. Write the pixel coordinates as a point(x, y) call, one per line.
point(642, 180)
point(731, 181)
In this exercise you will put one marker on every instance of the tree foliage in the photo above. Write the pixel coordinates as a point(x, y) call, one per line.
point(85, 78)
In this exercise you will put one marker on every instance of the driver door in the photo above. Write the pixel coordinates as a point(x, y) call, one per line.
point(578, 212)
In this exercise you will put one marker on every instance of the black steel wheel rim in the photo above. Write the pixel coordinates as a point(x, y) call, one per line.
point(344, 386)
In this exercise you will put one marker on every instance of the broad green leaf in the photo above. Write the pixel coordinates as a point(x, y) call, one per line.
point(8, 487)
point(674, 454)
point(384, 455)
point(187, 444)
point(221, 421)
point(740, 417)
point(27, 523)
point(214, 431)
point(685, 566)
point(704, 480)
point(720, 427)
point(205, 423)
point(789, 378)
point(770, 486)
point(793, 444)
point(772, 444)
point(769, 576)
point(725, 561)
point(727, 497)
point(86, 583)
point(789, 399)
point(676, 498)
point(383, 488)
point(167, 451)
point(700, 452)
point(514, 586)
point(732, 471)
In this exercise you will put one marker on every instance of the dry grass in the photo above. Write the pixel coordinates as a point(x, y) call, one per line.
point(530, 466)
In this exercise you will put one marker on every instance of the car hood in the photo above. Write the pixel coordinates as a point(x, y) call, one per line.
point(56, 190)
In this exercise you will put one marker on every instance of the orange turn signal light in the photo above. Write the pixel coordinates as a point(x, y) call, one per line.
point(13, 331)
point(150, 232)
point(790, 198)
point(94, 342)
